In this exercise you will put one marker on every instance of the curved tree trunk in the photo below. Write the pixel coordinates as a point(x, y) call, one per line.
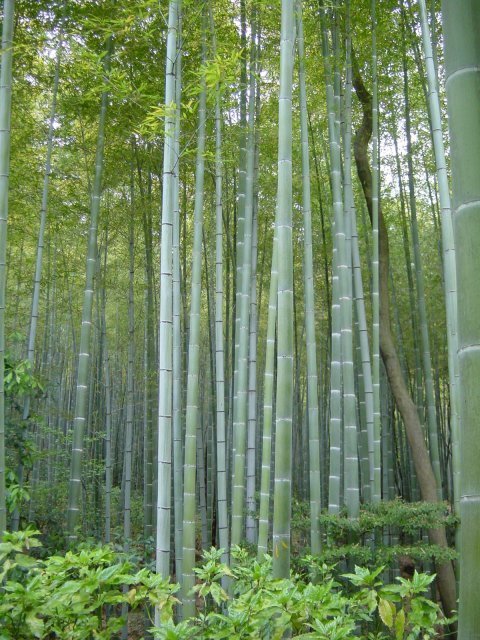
point(403, 400)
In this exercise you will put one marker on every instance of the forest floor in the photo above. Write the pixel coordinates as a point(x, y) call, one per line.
point(136, 623)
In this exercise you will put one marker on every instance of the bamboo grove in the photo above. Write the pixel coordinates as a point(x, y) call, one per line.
point(229, 285)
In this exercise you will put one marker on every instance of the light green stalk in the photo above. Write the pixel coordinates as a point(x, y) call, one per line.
point(32, 333)
point(176, 312)
point(241, 399)
point(377, 478)
point(312, 378)
point(240, 225)
point(83, 377)
point(252, 437)
point(411, 287)
point(449, 266)
point(108, 445)
point(165, 340)
point(461, 25)
point(264, 508)
point(334, 498)
point(108, 404)
point(422, 309)
point(5, 110)
point(343, 229)
point(201, 484)
point(284, 397)
point(364, 350)
point(192, 417)
point(219, 340)
point(150, 388)
point(127, 490)
point(250, 527)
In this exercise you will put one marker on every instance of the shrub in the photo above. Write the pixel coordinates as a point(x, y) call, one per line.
point(264, 608)
point(67, 597)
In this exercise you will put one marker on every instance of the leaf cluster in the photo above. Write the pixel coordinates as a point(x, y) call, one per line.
point(67, 596)
point(345, 537)
point(408, 517)
point(260, 606)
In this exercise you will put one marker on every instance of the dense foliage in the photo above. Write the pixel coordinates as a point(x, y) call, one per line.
point(228, 315)
point(76, 597)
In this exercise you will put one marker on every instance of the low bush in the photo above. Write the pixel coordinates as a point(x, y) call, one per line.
point(67, 597)
point(78, 596)
point(353, 605)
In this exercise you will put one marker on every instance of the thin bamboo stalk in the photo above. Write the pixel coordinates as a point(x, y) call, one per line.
point(284, 394)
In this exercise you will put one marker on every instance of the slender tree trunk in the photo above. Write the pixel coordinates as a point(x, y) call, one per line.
point(150, 359)
point(284, 399)
point(250, 529)
point(449, 266)
point(5, 110)
point(422, 310)
point(39, 257)
point(84, 355)
point(375, 204)
point(240, 418)
point(334, 490)
point(268, 390)
point(127, 494)
point(193, 416)
point(177, 422)
point(239, 242)
point(164, 455)
point(351, 487)
point(403, 400)
point(312, 378)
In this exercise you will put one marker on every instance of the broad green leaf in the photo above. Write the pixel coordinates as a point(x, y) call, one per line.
point(387, 611)
point(25, 561)
point(400, 624)
point(36, 625)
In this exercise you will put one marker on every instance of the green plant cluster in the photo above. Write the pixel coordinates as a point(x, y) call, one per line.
point(19, 382)
point(361, 540)
point(264, 608)
point(68, 597)
point(78, 597)
point(409, 517)
point(387, 554)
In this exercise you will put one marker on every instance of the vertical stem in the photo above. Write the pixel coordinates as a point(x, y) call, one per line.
point(343, 228)
point(268, 384)
point(192, 418)
point(177, 334)
point(422, 309)
point(312, 378)
point(241, 404)
point(83, 377)
point(449, 266)
point(334, 492)
point(284, 398)
point(462, 58)
point(5, 110)
point(164, 454)
point(127, 507)
point(219, 340)
point(377, 479)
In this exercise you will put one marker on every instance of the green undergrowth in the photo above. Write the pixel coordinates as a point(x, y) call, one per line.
point(68, 597)
point(381, 535)
point(78, 596)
